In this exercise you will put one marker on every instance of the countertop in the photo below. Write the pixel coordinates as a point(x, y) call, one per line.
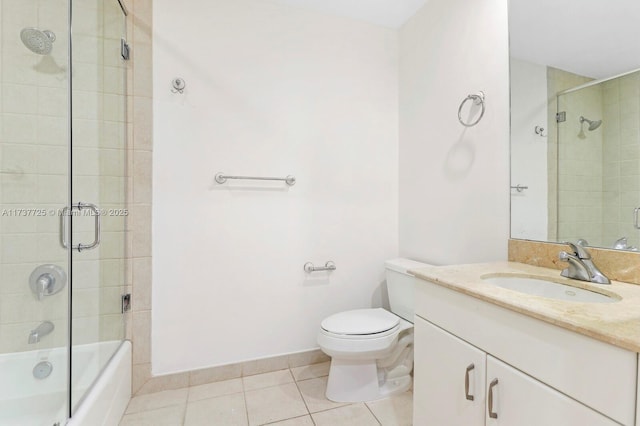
point(615, 323)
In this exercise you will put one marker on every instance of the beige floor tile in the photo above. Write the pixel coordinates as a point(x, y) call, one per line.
point(227, 410)
point(394, 411)
point(212, 390)
point(157, 400)
point(297, 421)
point(313, 392)
point(311, 371)
point(266, 380)
point(351, 415)
point(274, 403)
point(167, 416)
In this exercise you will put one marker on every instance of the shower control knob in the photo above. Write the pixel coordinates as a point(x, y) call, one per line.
point(47, 280)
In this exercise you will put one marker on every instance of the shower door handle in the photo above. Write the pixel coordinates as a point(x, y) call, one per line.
point(68, 212)
point(635, 217)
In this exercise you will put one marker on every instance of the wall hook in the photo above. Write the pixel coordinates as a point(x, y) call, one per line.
point(178, 85)
point(540, 131)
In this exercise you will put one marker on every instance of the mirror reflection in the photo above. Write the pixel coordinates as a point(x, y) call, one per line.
point(575, 122)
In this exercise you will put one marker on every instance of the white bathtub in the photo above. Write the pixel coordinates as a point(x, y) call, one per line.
point(27, 401)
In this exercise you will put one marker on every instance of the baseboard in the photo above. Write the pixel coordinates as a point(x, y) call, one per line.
point(224, 372)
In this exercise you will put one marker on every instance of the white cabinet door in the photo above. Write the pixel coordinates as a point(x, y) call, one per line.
point(518, 399)
point(449, 379)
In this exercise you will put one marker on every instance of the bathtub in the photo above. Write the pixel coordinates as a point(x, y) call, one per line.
point(28, 401)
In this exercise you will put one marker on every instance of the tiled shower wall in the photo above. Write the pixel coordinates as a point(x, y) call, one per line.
point(34, 168)
point(621, 158)
point(562, 217)
point(140, 135)
point(33, 171)
point(596, 173)
point(580, 167)
point(99, 168)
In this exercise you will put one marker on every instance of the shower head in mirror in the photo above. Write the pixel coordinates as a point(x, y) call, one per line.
point(592, 124)
point(37, 41)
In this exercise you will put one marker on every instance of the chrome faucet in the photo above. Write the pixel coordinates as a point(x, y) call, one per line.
point(44, 285)
point(623, 244)
point(40, 331)
point(581, 267)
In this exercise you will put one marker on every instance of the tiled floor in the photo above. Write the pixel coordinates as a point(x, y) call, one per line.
point(292, 397)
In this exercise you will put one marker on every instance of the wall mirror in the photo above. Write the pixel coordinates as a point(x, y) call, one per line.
point(575, 121)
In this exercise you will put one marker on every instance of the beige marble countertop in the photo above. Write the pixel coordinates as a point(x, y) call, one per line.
point(615, 323)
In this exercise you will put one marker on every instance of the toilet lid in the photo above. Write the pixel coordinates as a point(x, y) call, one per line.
point(360, 321)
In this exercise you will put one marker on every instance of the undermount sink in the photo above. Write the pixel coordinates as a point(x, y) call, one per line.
point(549, 289)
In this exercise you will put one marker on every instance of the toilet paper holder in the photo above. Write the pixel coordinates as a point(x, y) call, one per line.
point(329, 266)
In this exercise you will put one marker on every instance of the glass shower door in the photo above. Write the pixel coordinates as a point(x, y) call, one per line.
point(34, 189)
point(598, 163)
point(98, 189)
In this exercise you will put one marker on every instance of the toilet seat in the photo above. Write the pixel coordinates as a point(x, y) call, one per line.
point(359, 337)
point(361, 333)
point(361, 323)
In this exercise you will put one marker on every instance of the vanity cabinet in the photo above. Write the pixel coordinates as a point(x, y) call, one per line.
point(546, 375)
point(458, 384)
point(521, 400)
point(448, 382)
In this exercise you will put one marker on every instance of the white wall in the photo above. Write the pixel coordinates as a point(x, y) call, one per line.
point(271, 90)
point(454, 181)
point(388, 13)
point(529, 208)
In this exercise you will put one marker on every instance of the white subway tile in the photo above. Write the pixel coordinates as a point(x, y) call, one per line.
point(20, 99)
point(53, 101)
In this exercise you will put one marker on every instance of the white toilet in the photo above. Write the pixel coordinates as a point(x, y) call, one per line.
point(371, 350)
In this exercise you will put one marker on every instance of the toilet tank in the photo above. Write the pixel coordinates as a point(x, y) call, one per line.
point(400, 286)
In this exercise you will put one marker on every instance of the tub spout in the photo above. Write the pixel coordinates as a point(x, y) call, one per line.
point(40, 331)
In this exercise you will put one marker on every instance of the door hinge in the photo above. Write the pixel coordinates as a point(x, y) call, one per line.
point(126, 303)
point(125, 50)
point(561, 117)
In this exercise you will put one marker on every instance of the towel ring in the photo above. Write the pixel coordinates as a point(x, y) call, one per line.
point(478, 99)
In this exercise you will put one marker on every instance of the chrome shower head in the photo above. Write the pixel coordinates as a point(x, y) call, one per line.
point(592, 124)
point(37, 41)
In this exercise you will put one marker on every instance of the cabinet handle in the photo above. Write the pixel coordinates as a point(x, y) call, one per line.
point(492, 414)
point(466, 382)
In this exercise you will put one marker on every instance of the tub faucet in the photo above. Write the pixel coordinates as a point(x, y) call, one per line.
point(40, 331)
point(581, 267)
